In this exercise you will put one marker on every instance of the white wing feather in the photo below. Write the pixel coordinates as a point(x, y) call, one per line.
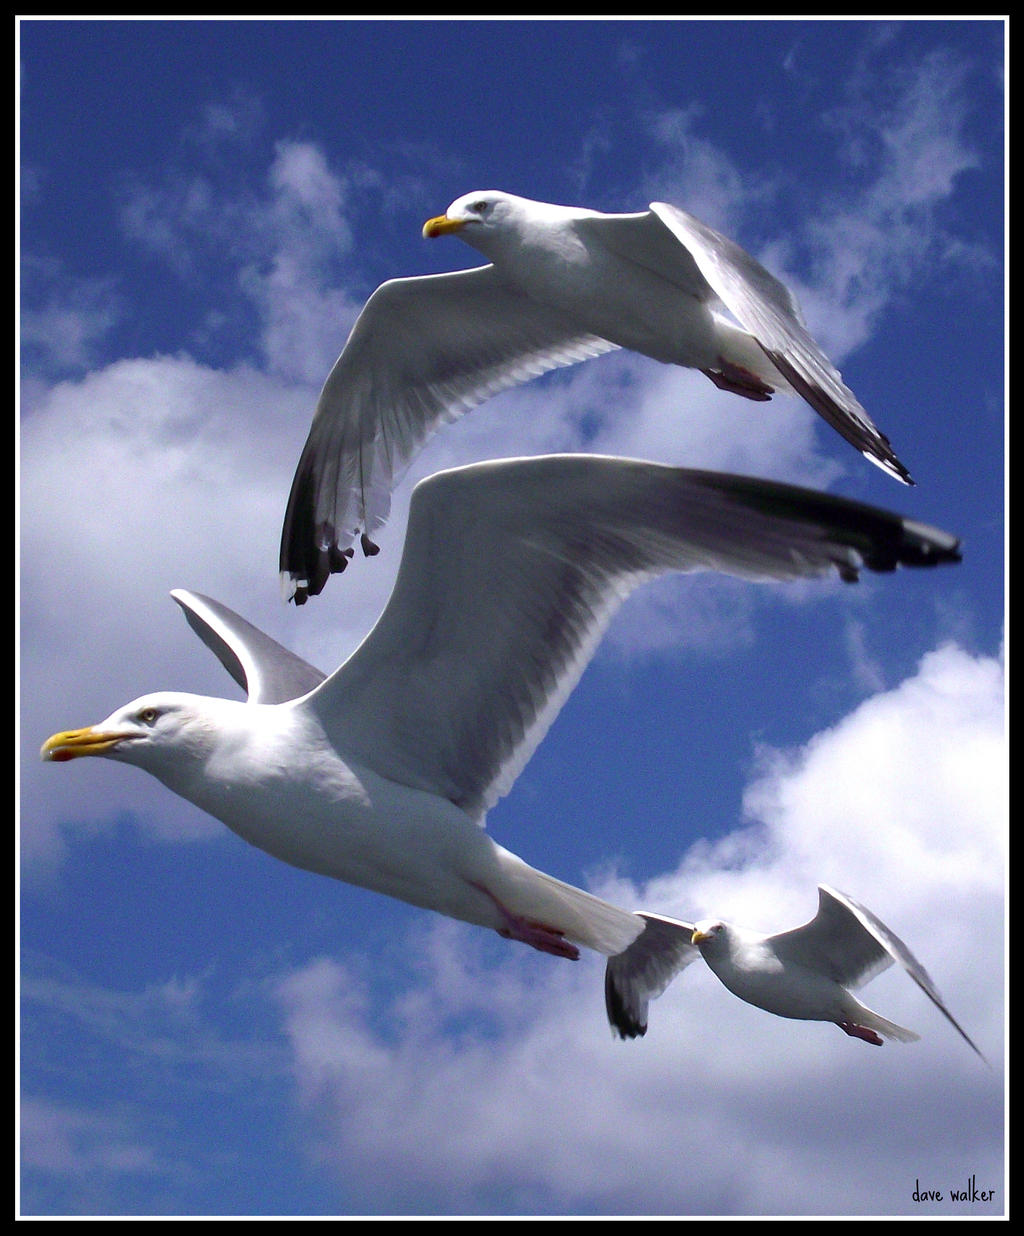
point(422, 352)
point(510, 573)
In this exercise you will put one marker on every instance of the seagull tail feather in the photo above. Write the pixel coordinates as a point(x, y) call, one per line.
point(740, 348)
point(582, 917)
point(882, 1025)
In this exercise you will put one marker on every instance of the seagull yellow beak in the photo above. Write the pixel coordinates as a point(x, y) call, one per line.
point(441, 225)
point(70, 744)
point(698, 936)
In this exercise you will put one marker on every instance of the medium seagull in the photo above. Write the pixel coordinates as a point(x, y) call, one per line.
point(805, 974)
point(564, 284)
point(382, 774)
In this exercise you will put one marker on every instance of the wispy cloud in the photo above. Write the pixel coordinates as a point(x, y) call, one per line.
point(64, 322)
point(903, 140)
point(139, 1044)
point(873, 222)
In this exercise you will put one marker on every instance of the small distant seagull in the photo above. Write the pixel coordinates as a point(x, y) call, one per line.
point(564, 284)
point(382, 774)
point(805, 974)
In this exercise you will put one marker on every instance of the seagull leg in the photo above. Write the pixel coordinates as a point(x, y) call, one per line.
point(860, 1032)
point(537, 935)
point(740, 381)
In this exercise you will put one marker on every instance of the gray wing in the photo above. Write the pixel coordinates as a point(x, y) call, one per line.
point(769, 311)
point(643, 971)
point(265, 670)
point(422, 352)
point(510, 573)
point(851, 945)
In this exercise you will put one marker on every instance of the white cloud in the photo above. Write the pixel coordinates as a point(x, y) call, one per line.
point(308, 192)
point(722, 1108)
point(305, 321)
point(140, 478)
point(676, 416)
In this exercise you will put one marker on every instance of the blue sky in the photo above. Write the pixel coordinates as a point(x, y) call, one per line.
point(205, 206)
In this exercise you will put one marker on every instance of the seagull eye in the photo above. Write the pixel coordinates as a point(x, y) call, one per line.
point(148, 715)
point(481, 207)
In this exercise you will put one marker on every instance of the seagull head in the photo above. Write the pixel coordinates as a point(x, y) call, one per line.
point(486, 219)
point(154, 732)
point(709, 935)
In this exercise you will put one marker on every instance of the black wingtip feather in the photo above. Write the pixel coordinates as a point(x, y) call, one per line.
point(310, 553)
point(868, 439)
point(622, 1021)
point(882, 540)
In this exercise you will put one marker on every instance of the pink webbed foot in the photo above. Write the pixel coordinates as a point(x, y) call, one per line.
point(537, 935)
point(739, 381)
point(860, 1032)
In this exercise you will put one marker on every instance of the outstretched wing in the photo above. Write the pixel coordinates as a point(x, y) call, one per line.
point(769, 311)
point(265, 670)
point(640, 974)
point(422, 352)
point(510, 573)
point(851, 945)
